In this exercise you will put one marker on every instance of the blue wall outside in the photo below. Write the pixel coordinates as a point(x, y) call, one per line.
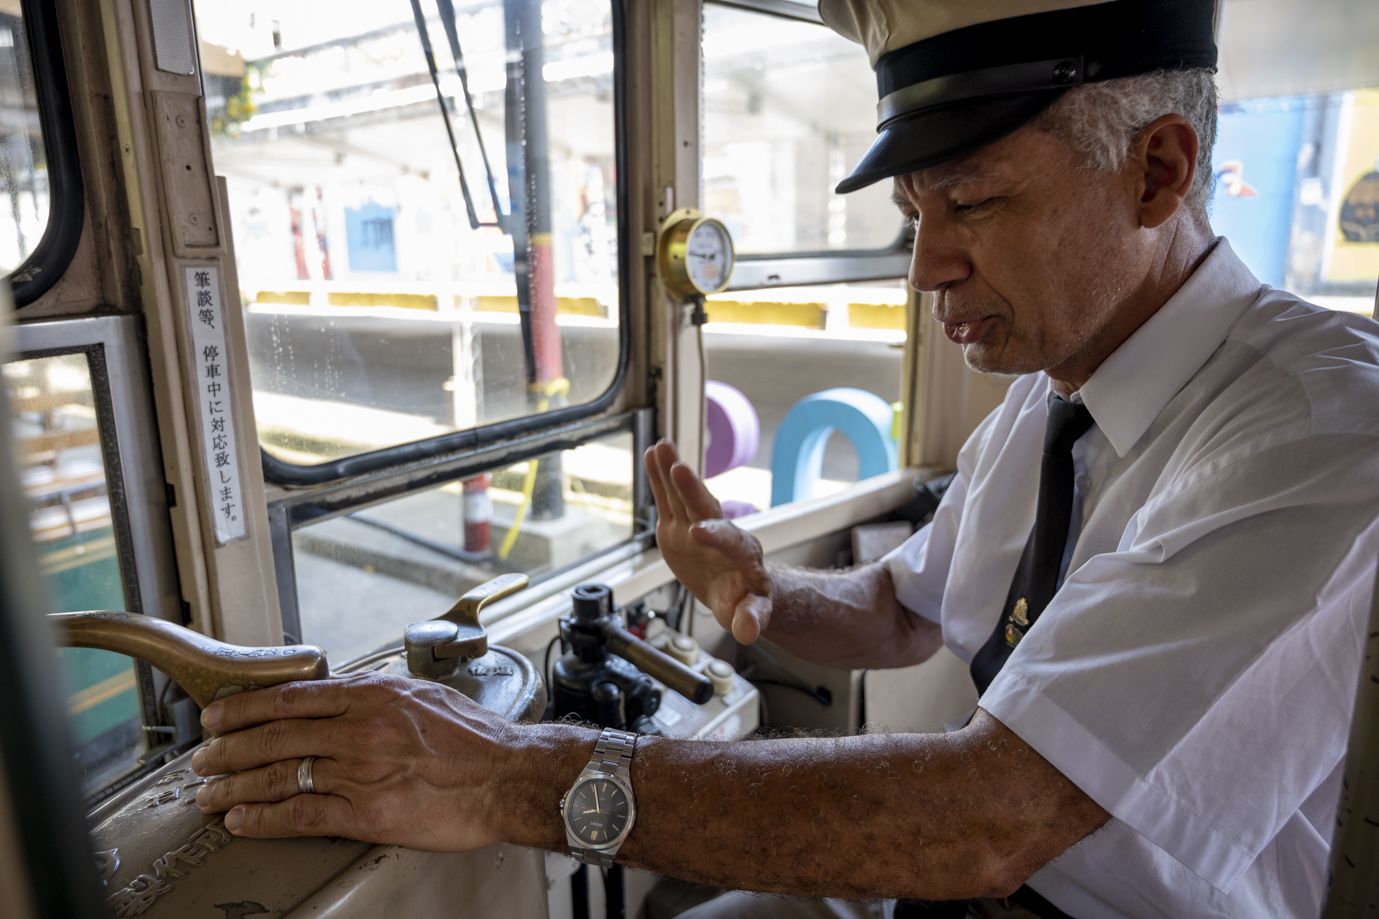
point(369, 235)
point(1265, 138)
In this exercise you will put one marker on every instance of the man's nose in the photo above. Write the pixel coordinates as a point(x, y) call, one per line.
point(937, 261)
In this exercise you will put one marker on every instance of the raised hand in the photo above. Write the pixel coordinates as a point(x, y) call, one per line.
point(720, 563)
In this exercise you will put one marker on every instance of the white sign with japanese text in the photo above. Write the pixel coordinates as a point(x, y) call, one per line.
point(212, 395)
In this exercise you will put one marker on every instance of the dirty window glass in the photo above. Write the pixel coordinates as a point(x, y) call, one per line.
point(412, 266)
point(363, 576)
point(65, 479)
point(23, 163)
point(789, 108)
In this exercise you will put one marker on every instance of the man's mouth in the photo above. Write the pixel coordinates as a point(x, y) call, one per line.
point(964, 333)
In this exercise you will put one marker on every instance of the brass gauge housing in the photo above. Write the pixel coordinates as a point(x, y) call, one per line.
point(694, 255)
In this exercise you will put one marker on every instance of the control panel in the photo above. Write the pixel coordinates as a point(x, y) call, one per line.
point(732, 712)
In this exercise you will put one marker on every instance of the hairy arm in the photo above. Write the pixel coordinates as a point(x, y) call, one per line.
point(972, 813)
point(848, 618)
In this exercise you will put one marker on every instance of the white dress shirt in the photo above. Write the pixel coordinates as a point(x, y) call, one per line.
point(1195, 673)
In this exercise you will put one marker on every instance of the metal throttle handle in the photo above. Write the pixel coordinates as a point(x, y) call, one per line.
point(691, 684)
point(207, 669)
point(435, 647)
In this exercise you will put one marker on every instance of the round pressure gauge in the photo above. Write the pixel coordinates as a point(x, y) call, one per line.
point(694, 254)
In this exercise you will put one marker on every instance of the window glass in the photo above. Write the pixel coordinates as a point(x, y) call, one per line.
point(64, 475)
point(23, 163)
point(398, 286)
point(789, 107)
point(771, 354)
point(1297, 193)
point(362, 577)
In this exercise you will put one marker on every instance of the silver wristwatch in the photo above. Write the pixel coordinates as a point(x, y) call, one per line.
point(599, 809)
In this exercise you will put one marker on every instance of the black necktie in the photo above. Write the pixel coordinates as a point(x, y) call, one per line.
point(1036, 578)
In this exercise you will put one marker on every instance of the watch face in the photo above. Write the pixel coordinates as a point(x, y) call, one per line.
point(598, 811)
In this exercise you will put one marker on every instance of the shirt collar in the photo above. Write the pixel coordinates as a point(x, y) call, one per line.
point(1132, 386)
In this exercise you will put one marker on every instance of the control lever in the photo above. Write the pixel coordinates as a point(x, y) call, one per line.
point(605, 675)
point(691, 684)
point(206, 668)
point(436, 647)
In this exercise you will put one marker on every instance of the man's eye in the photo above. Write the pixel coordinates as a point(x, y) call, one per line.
point(968, 207)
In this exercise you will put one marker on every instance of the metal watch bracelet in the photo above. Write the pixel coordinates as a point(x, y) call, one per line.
point(612, 753)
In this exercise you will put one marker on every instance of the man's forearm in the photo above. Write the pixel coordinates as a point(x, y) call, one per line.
point(860, 817)
point(846, 618)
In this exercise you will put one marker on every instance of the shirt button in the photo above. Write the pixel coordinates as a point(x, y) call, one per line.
point(1084, 482)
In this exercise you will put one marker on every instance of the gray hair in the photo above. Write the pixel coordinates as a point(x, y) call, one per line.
point(1100, 120)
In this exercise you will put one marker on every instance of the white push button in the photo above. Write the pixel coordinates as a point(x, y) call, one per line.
point(684, 649)
point(720, 674)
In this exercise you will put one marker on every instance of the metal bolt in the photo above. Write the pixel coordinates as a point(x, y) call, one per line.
point(1064, 72)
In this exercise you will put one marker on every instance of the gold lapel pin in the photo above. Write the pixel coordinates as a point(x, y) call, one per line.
point(1013, 635)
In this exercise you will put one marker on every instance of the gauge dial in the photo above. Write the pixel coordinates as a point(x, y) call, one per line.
point(598, 812)
point(708, 256)
point(694, 254)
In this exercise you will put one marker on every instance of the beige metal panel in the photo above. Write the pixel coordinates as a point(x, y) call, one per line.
point(951, 399)
point(673, 35)
point(188, 201)
point(176, 209)
point(500, 882)
point(1284, 48)
point(1355, 847)
point(912, 416)
point(96, 279)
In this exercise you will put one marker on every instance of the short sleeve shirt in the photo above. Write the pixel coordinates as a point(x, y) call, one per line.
point(1195, 673)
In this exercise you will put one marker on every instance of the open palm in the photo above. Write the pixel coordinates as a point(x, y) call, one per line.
point(718, 562)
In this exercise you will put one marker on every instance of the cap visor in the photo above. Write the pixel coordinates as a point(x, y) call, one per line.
point(937, 135)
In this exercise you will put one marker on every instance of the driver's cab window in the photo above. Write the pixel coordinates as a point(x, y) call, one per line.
point(811, 333)
point(64, 474)
point(421, 247)
point(423, 197)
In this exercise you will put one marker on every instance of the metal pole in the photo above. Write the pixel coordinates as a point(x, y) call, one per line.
point(529, 184)
point(1354, 883)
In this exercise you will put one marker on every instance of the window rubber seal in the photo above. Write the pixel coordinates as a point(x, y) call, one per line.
point(66, 193)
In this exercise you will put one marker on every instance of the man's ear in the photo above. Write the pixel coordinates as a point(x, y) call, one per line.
point(1164, 157)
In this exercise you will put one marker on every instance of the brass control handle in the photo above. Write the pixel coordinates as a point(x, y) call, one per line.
point(207, 669)
point(466, 609)
point(435, 647)
point(691, 684)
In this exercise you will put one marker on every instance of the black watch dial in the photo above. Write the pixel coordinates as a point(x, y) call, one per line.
point(597, 811)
